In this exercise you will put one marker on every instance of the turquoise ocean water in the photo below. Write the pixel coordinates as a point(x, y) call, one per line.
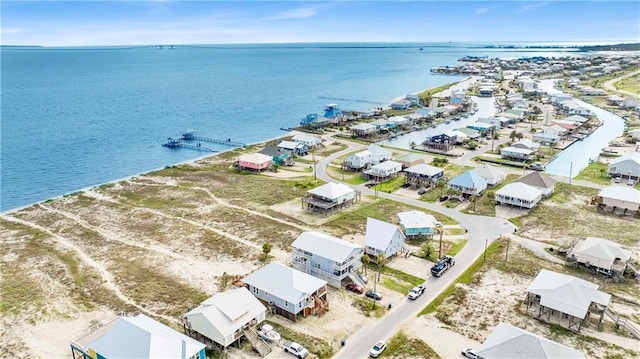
point(78, 117)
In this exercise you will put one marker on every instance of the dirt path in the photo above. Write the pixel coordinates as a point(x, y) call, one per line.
point(109, 281)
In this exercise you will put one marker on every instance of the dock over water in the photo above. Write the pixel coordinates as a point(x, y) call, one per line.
point(188, 137)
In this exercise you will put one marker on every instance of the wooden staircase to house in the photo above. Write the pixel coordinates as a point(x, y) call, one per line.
point(256, 342)
point(321, 305)
point(622, 322)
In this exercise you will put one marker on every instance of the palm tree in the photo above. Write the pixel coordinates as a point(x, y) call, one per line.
point(365, 261)
point(512, 135)
point(382, 261)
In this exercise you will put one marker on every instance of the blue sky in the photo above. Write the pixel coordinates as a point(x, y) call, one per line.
point(54, 23)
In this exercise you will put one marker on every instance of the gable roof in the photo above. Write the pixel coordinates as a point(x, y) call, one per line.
point(306, 138)
point(634, 157)
point(254, 158)
point(143, 337)
point(225, 312)
point(363, 126)
point(284, 282)
point(325, 246)
point(566, 294)
point(290, 145)
point(361, 154)
point(469, 179)
point(536, 179)
point(378, 151)
point(621, 193)
point(489, 172)
point(507, 341)
point(519, 190)
point(424, 169)
point(576, 118)
point(603, 248)
point(410, 157)
point(274, 151)
point(331, 190)
point(387, 165)
point(416, 219)
point(380, 233)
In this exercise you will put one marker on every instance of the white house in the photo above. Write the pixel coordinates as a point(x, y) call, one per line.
point(516, 153)
point(518, 194)
point(223, 317)
point(493, 175)
point(416, 223)
point(628, 165)
point(384, 171)
point(621, 197)
point(358, 160)
point(379, 154)
point(326, 257)
point(363, 129)
point(310, 141)
point(507, 341)
point(399, 121)
point(537, 180)
point(137, 337)
point(604, 255)
point(330, 196)
point(527, 144)
point(383, 238)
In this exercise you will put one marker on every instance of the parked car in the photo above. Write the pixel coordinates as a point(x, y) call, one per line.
point(469, 353)
point(295, 349)
point(416, 291)
point(443, 198)
point(374, 295)
point(617, 179)
point(377, 349)
point(363, 278)
point(355, 288)
point(422, 191)
point(631, 182)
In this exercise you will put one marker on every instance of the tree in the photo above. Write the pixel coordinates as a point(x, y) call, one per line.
point(365, 260)
point(382, 261)
point(472, 144)
point(519, 135)
point(413, 145)
point(513, 135)
point(266, 249)
point(440, 185)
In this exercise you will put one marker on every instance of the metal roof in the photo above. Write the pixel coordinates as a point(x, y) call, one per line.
point(621, 193)
point(424, 169)
point(509, 342)
point(255, 158)
point(331, 190)
point(380, 233)
point(325, 246)
point(603, 248)
point(490, 172)
point(536, 179)
point(469, 179)
point(225, 312)
point(142, 337)
point(566, 294)
point(519, 190)
point(284, 282)
point(416, 219)
point(634, 157)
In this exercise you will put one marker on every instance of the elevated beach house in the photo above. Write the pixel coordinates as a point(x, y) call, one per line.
point(224, 318)
point(626, 166)
point(326, 257)
point(469, 183)
point(310, 141)
point(536, 179)
point(619, 197)
point(298, 149)
point(137, 337)
point(507, 341)
point(358, 161)
point(383, 171)
point(254, 162)
point(330, 197)
point(565, 299)
point(287, 291)
point(364, 129)
point(410, 159)
point(518, 154)
point(518, 194)
point(493, 175)
point(280, 156)
point(417, 223)
point(423, 175)
point(383, 238)
point(602, 255)
point(379, 154)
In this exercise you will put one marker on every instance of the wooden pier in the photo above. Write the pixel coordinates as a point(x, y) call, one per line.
point(178, 143)
point(193, 136)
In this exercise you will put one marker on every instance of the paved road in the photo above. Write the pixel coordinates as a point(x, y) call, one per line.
point(481, 232)
point(609, 84)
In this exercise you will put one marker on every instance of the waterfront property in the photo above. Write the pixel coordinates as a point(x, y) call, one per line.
point(519, 154)
point(330, 197)
point(507, 341)
point(135, 336)
point(379, 154)
point(310, 141)
point(565, 299)
point(326, 257)
point(601, 255)
point(619, 197)
point(410, 159)
point(357, 161)
point(441, 141)
point(400, 121)
point(527, 145)
point(224, 318)
point(537, 180)
point(417, 224)
point(298, 149)
point(423, 175)
point(287, 291)
point(469, 183)
point(363, 129)
point(547, 137)
point(383, 171)
point(626, 166)
point(254, 162)
point(280, 156)
point(518, 194)
point(493, 175)
point(383, 238)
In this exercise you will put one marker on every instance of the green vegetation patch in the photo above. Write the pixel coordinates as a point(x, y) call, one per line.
point(368, 307)
point(350, 177)
point(320, 347)
point(485, 205)
point(595, 172)
point(391, 185)
point(401, 346)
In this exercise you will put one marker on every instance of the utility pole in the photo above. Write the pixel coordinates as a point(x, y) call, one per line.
point(484, 257)
point(506, 256)
point(570, 171)
point(313, 156)
point(440, 230)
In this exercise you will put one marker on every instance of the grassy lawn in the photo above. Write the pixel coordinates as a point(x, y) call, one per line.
point(595, 172)
point(631, 84)
point(485, 205)
point(452, 170)
point(391, 185)
point(401, 346)
point(350, 177)
point(317, 346)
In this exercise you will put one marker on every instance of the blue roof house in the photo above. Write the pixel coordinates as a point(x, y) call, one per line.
point(469, 183)
point(137, 337)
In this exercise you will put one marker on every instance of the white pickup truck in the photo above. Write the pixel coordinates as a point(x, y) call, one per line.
point(295, 349)
point(416, 291)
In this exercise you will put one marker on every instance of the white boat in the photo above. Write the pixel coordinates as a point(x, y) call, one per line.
point(267, 333)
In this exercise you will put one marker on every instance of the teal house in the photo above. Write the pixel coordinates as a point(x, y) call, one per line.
point(281, 156)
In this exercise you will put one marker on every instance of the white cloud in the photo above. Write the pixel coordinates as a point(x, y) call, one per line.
point(481, 10)
point(524, 7)
point(301, 13)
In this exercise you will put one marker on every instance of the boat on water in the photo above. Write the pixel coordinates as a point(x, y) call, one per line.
point(267, 333)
